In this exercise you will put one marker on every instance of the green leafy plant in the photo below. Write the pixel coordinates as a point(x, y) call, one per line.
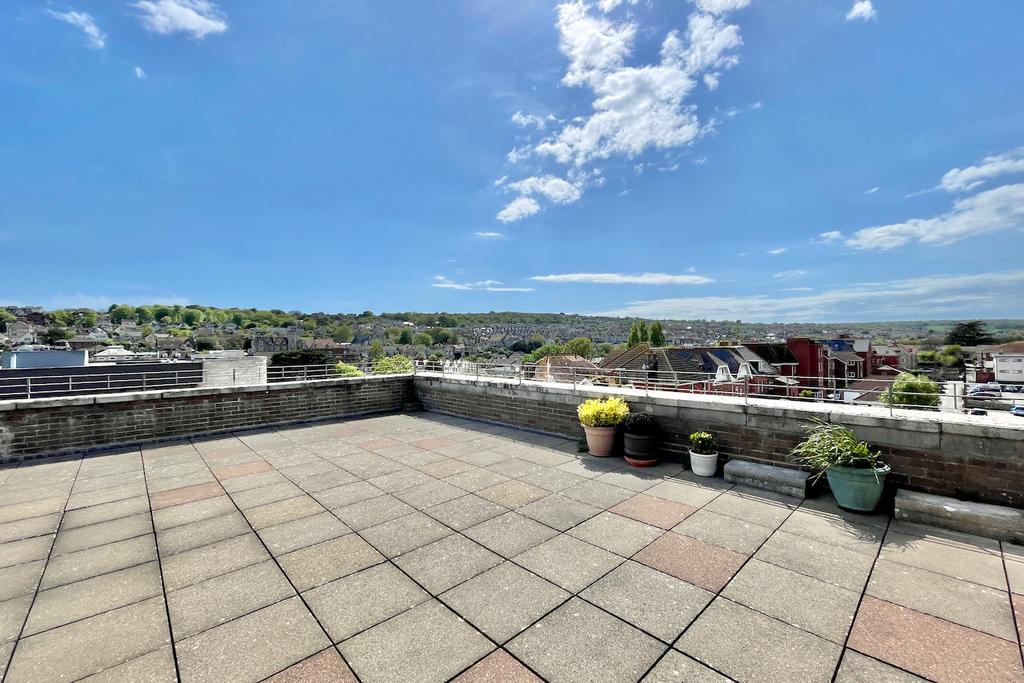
point(596, 412)
point(806, 393)
point(640, 424)
point(392, 365)
point(346, 370)
point(831, 445)
point(702, 443)
point(911, 390)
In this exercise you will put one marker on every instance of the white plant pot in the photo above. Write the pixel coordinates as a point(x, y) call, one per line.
point(704, 464)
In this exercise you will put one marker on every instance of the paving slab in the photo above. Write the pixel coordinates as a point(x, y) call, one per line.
point(617, 534)
point(498, 667)
point(206, 562)
point(597, 493)
point(834, 530)
point(282, 511)
point(299, 533)
point(676, 667)
point(462, 513)
point(92, 645)
point(186, 513)
point(969, 604)
point(504, 600)
point(153, 667)
point(932, 647)
point(684, 492)
point(426, 644)
point(513, 494)
point(358, 601)
point(323, 667)
point(237, 650)
point(824, 609)
point(558, 512)
point(400, 480)
point(186, 494)
point(398, 536)
point(942, 557)
point(251, 498)
point(552, 479)
point(658, 512)
point(691, 560)
point(653, 601)
point(747, 645)
point(858, 668)
point(476, 479)
point(207, 531)
point(726, 532)
point(568, 562)
point(829, 563)
point(580, 643)
point(448, 562)
point(27, 528)
point(85, 564)
point(102, 533)
point(347, 494)
point(203, 605)
point(74, 601)
point(20, 579)
point(12, 617)
point(25, 550)
point(510, 534)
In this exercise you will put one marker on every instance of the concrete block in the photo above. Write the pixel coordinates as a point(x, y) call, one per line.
point(992, 521)
point(768, 477)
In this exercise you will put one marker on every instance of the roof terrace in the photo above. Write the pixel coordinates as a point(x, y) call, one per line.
point(423, 547)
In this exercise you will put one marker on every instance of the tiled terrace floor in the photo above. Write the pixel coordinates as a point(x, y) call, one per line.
point(422, 548)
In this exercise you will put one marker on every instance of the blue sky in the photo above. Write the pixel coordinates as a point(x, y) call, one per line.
point(733, 159)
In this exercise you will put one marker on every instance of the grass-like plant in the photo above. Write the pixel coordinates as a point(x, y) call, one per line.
point(702, 442)
point(831, 445)
point(608, 412)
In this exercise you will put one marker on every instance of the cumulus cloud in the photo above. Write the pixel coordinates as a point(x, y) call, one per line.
point(721, 6)
point(198, 18)
point(489, 235)
point(95, 38)
point(625, 278)
point(831, 237)
point(940, 296)
point(558, 190)
point(862, 10)
point(529, 120)
point(789, 274)
point(140, 73)
point(517, 209)
point(992, 166)
point(994, 210)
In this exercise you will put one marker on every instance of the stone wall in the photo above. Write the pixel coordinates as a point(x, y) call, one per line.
point(947, 454)
point(33, 428)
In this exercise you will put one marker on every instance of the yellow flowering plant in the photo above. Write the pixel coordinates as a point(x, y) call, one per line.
point(608, 412)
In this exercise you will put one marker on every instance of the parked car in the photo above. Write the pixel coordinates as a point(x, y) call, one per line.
point(978, 411)
point(1017, 410)
point(983, 394)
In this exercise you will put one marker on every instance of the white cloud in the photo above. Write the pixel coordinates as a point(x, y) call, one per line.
point(830, 237)
point(872, 190)
point(529, 120)
point(940, 296)
point(594, 45)
point(95, 38)
point(500, 181)
point(625, 278)
point(862, 10)
point(442, 282)
point(140, 73)
point(558, 190)
point(992, 166)
point(489, 235)
point(517, 209)
point(789, 274)
point(995, 210)
point(798, 289)
point(199, 18)
point(608, 5)
point(721, 6)
point(101, 302)
point(776, 251)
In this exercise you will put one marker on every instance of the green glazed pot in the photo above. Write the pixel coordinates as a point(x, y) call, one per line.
point(857, 489)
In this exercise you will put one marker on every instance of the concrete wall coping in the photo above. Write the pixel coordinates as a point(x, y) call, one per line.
point(190, 392)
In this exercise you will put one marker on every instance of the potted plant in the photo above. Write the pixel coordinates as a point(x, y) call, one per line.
point(600, 418)
point(855, 473)
point(640, 439)
point(703, 454)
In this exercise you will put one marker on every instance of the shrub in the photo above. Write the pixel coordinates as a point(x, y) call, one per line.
point(596, 412)
point(302, 357)
point(641, 424)
point(806, 393)
point(346, 370)
point(831, 445)
point(909, 389)
point(702, 443)
point(392, 365)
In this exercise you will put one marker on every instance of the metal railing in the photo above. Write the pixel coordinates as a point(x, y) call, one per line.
point(16, 387)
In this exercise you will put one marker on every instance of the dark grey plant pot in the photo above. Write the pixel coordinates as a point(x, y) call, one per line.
point(640, 448)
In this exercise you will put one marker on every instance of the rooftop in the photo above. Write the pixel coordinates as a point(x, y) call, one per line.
point(422, 548)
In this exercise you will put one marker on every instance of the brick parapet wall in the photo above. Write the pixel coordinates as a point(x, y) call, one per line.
point(946, 454)
point(39, 427)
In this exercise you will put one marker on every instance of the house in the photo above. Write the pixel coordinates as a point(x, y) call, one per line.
point(1007, 362)
point(21, 332)
point(844, 361)
point(884, 360)
point(166, 342)
point(812, 360)
point(563, 368)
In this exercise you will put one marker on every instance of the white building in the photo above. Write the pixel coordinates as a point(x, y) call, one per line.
point(1008, 362)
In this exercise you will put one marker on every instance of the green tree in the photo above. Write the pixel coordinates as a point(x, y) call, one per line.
point(972, 333)
point(405, 337)
point(392, 365)
point(642, 328)
point(909, 389)
point(634, 336)
point(546, 350)
point(657, 336)
point(143, 315)
point(423, 339)
point(192, 317)
point(376, 350)
point(120, 313)
point(87, 319)
point(580, 346)
point(52, 335)
point(951, 356)
point(63, 318)
point(605, 348)
point(342, 333)
point(441, 335)
point(302, 357)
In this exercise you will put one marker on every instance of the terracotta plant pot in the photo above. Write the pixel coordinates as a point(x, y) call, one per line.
point(600, 440)
point(704, 464)
point(641, 449)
